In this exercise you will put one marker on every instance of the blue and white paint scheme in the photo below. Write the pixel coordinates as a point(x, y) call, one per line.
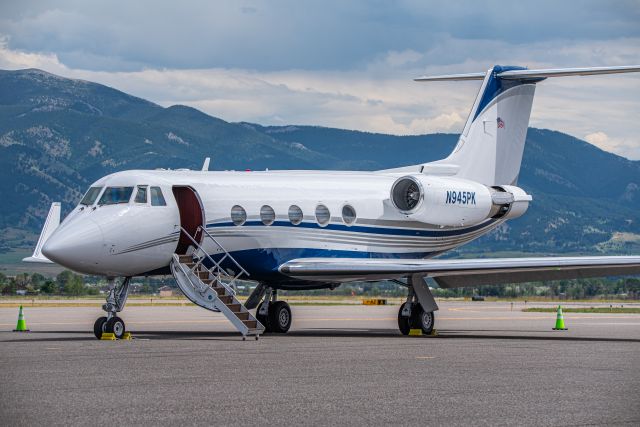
point(311, 229)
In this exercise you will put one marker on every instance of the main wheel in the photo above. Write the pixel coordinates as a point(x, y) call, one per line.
point(99, 326)
point(421, 319)
point(280, 317)
point(116, 326)
point(263, 319)
point(403, 321)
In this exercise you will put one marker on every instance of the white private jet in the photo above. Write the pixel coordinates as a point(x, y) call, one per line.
point(300, 230)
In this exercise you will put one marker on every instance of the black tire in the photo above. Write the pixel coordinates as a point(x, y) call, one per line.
point(279, 317)
point(116, 326)
point(403, 321)
point(99, 326)
point(263, 319)
point(421, 319)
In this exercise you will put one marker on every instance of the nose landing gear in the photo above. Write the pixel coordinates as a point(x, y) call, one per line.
point(116, 299)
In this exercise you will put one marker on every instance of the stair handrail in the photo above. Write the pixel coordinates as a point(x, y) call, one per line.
point(242, 270)
point(215, 264)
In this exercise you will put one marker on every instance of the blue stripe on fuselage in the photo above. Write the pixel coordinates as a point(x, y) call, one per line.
point(363, 229)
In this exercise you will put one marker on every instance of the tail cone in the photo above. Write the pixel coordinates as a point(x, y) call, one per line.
point(560, 321)
point(22, 325)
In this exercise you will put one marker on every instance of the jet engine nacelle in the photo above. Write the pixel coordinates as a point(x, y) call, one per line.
point(455, 202)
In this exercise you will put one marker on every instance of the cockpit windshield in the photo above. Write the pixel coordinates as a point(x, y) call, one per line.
point(90, 196)
point(115, 195)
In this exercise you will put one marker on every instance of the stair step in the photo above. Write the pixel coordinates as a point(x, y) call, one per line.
point(185, 258)
point(220, 290)
point(242, 315)
point(251, 324)
point(203, 274)
point(226, 299)
point(234, 307)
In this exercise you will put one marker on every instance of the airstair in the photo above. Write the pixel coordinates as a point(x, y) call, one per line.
point(205, 282)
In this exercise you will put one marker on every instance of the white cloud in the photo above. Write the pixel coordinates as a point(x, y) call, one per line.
point(627, 148)
point(381, 97)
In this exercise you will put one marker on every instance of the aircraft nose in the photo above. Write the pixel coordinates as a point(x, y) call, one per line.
point(78, 246)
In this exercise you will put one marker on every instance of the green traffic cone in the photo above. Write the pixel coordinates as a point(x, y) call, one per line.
point(22, 325)
point(559, 321)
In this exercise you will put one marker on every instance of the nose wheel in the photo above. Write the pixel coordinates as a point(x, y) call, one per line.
point(115, 326)
point(116, 299)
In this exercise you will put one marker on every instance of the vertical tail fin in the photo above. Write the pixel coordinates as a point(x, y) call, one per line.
point(491, 145)
point(52, 222)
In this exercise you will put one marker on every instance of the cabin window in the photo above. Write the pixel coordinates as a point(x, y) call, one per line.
point(157, 199)
point(348, 214)
point(322, 214)
point(141, 195)
point(116, 195)
point(91, 196)
point(295, 214)
point(238, 215)
point(267, 215)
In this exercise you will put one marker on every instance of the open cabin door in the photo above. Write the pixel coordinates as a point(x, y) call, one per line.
point(191, 216)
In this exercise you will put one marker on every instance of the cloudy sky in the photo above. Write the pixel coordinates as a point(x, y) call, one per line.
point(346, 64)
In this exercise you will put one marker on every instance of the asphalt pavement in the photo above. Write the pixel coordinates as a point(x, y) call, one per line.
point(489, 365)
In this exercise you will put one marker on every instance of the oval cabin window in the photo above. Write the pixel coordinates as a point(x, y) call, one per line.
point(322, 214)
point(348, 214)
point(267, 215)
point(238, 215)
point(295, 214)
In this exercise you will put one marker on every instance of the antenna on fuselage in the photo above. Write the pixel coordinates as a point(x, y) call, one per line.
point(205, 166)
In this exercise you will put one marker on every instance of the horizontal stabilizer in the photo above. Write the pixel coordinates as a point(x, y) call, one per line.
point(535, 74)
point(50, 225)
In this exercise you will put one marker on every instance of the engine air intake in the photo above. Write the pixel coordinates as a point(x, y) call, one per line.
point(406, 194)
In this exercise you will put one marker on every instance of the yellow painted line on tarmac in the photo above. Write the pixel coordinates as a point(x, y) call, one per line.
point(479, 309)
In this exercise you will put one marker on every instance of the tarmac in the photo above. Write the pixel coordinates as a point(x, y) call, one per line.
point(490, 364)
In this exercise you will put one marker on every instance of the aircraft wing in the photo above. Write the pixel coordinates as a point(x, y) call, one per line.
point(456, 273)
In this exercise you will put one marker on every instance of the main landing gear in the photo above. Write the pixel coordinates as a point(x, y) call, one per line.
point(116, 299)
point(412, 315)
point(273, 314)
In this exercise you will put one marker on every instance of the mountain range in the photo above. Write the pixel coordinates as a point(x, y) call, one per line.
point(58, 135)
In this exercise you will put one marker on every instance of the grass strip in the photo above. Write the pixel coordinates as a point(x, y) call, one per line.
point(585, 310)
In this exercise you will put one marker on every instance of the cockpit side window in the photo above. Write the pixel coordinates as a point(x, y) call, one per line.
point(141, 195)
point(90, 196)
point(157, 199)
point(115, 195)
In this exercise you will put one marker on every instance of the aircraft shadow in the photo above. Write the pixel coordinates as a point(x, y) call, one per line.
point(487, 334)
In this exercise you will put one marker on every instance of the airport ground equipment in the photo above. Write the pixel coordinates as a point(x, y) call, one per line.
point(204, 281)
point(22, 324)
point(559, 320)
point(374, 301)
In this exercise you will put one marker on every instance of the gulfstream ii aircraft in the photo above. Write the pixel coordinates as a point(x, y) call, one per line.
point(298, 230)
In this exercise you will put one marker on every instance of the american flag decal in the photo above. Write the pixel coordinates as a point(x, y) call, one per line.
point(500, 123)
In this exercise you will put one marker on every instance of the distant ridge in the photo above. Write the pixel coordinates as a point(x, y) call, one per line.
point(57, 135)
